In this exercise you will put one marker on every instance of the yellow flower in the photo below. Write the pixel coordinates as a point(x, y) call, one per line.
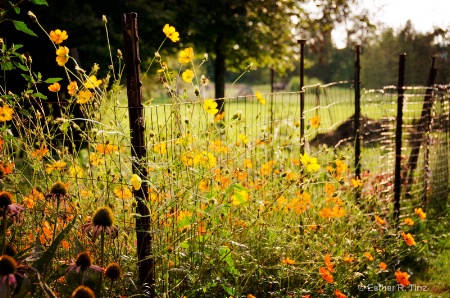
point(240, 196)
point(58, 36)
point(409, 221)
point(72, 88)
point(368, 255)
point(136, 181)
point(6, 113)
point(248, 163)
point(84, 96)
point(243, 138)
point(55, 87)
point(356, 182)
point(186, 55)
point(420, 212)
point(210, 106)
point(92, 82)
point(95, 160)
point(62, 55)
point(288, 261)
point(171, 33)
point(55, 166)
point(260, 98)
point(75, 171)
point(206, 159)
point(409, 239)
point(187, 75)
point(123, 192)
point(160, 148)
point(310, 162)
point(315, 121)
point(107, 148)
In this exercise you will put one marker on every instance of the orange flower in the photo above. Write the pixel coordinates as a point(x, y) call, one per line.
point(339, 294)
point(402, 278)
point(315, 121)
point(58, 36)
point(383, 266)
point(72, 88)
point(409, 221)
point(326, 275)
point(409, 239)
point(379, 220)
point(329, 189)
point(419, 211)
point(288, 261)
point(348, 259)
point(328, 263)
point(123, 192)
point(62, 55)
point(368, 255)
point(55, 87)
point(39, 153)
point(107, 148)
point(250, 296)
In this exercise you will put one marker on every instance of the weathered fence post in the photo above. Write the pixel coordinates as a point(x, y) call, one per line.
point(138, 150)
point(398, 137)
point(357, 117)
point(302, 95)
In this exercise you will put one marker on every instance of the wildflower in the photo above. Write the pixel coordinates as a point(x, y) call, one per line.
point(368, 255)
point(261, 99)
point(402, 278)
point(58, 36)
point(160, 148)
point(83, 262)
point(136, 181)
point(186, 55)
point(422, 215)
point(315, 121)
point(8, 205)
point(204, 80)
point(326, 275)
point(84, 97)
point(107, 148)
point(83, 292)
point(39, 153)
point(409, 221)
point(6, 113)
point(250, 296)
point(409, 239)
point(379, 220)
point(240, 174)
point(75, 171)
point(218, 146)
point(95, 160)
point(58, 189)
point(248, 163)
point(240, 196)
point(383, 266)
point(72, 88)
point(171, 33)
point(123, 192)
point(243, 138)
point(55, 87)
point(203, 185)
point(102, 221)
point(219, 117)
point(8, 271)
point(310, 162)
point(329, 189)
point(210, 106)
point(113, 271)
point(62, 55)
point(288, 261)
point(205, 159)
point(92, 82)
point(55, 166)
point(348, 259)
point(328, 263)
point(339, 294)
point(356, 182)
point(340, 167)
point(187, 75)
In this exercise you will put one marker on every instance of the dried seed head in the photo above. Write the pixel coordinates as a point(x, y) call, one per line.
point(10, 250)
point(6, 199)
point(103, 217)
point(7, 265)
point(113, 271)
point(83, 292)
point(83, 260)
point(59, 188)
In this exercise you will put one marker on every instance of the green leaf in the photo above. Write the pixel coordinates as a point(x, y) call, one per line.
point(24, 112)
point(43, 263)
point(26, 77)
point(17, 46)
point(52, 80)
point(7, 66)
point(21, 66)
point(40, 2)
point(39, 95)
point(21, 26)
point(17, 10)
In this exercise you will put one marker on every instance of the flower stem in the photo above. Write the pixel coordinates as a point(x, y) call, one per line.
point(4, 225)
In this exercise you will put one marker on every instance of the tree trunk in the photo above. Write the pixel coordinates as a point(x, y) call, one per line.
point(219, 74)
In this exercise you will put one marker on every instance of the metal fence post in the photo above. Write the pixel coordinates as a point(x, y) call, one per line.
point(357, 116)
point(138, 150)
point(398, 137)
point(302, 95)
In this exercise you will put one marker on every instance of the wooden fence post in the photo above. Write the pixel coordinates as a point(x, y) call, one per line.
point(357, 117)
point(302, 95)
point(138, 150)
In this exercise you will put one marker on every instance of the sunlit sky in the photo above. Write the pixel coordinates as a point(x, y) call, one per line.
point(424, 14)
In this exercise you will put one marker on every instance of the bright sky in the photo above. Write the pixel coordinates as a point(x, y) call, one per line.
point(424, 14)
